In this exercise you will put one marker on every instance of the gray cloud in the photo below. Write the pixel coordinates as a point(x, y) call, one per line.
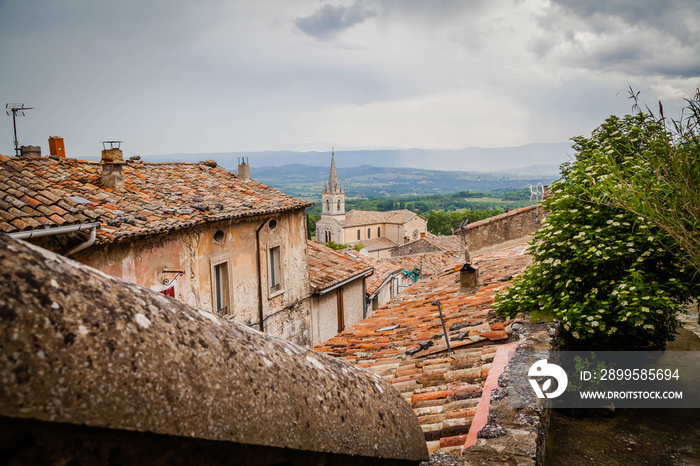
point(433, 12)
point(329, 20)
point(679, 18)
point(642, 38)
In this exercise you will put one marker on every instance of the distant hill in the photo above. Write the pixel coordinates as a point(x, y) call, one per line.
point(373, 182)
point(540, 158)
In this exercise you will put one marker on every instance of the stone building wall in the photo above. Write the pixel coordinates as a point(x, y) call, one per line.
point(504, 227)
point(414, 247)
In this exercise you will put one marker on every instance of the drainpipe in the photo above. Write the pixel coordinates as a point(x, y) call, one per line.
point(62, 230)
point(259, 267)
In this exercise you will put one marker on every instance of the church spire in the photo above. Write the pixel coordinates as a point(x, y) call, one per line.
point(333, 186)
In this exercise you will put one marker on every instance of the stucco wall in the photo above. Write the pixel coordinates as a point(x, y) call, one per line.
point(511, 225)
point(195, 250)
point(380, 253)
point(354, 301)
point(416, 224)
point(325, 310)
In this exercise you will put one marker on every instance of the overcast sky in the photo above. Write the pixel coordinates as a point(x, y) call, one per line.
point(244, 75)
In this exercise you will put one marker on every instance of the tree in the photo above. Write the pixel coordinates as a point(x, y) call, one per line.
point(662, 182)
point(613, 278)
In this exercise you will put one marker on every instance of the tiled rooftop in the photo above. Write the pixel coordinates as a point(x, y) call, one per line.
point(328, 267)
point(403, 343)
point(368, 217)
point(450, 244)
point(382, 271)
point(156, 197)
point(429, 263)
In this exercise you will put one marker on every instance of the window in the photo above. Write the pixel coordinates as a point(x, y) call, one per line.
point(369, 233)
point(327, 234)
point(358, 235)
point(328, 205)
point(221, 287)
point(379, 232)
point(275, 269)
point(338, 205)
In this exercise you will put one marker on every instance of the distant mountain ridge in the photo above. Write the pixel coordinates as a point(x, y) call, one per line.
point(377, 182)
point(537, 158)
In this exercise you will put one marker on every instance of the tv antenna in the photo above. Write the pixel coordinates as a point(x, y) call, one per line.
point(17, 110)
point(536, 193)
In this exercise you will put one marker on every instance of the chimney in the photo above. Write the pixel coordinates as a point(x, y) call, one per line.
point(112, 161)
point(56, 146)
point(30, 151)
point(243, 169)
point(468, 280)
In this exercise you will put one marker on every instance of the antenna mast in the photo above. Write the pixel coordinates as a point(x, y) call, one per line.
point(17, 110)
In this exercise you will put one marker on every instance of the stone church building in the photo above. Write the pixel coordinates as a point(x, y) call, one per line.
point(379, 232)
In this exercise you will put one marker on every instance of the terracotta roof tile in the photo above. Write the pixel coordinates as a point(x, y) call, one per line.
point(450, 244)
point(382, 271)
point(403, 343)
point(328, 267)
point(156, 197)
point(428, 262)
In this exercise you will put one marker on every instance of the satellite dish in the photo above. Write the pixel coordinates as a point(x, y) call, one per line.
point(364, 252)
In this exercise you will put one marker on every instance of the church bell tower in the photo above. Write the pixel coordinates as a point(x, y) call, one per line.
point(333, 196)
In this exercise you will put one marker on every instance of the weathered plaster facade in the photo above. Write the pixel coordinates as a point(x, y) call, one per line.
point(325, 309)
point(241, 247)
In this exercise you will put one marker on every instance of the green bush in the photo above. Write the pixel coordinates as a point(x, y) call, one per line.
point(336, 246)
point(612, 278)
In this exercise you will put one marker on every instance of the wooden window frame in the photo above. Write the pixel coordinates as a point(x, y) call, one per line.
point(222, 263)
point(278, 288)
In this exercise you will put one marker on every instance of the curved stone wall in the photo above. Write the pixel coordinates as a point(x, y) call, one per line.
point(81, 347)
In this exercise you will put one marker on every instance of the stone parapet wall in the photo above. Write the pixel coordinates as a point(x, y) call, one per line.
point(504, 227)
point(515, 434)
point(80, 348)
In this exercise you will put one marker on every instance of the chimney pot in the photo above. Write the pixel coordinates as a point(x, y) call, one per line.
point(468, 280)
point(243, 170)
point(112, 161)
point(30, 151)
point(56, 146)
